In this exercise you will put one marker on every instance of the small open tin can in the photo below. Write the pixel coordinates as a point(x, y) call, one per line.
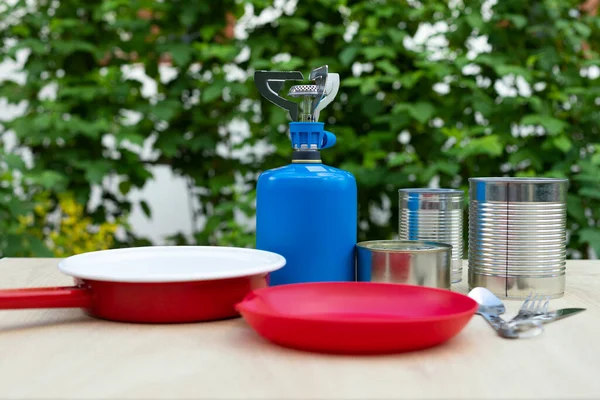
point(412, 262)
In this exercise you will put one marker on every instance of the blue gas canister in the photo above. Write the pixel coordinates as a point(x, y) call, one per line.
point(306, 211)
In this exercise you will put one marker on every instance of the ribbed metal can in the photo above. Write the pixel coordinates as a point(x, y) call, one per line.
point(517, 235)
point(434, 215)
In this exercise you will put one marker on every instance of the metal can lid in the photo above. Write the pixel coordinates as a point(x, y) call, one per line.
point(516, 179)
point(416, 199)
point(517, 189)
point(404, 246)
point(432, 191)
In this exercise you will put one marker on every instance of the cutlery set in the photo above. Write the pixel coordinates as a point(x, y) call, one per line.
point(529, 320)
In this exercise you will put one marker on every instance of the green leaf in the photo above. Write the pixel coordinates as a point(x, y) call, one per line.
point(575, 209)
point(519, 21)
point(48, 179)
point(491, 59)
point(552, 125)
point(537, 104)
point(400, 158)
point(374, 52)
point(295, 24)
point(548, 57)
point(489, 145)
point(188, 15)
point(207, 32)
point(348, 55)
point(525, 154)
point(112, 5)
point(369, 85)
point(582, 29)
point(125, 187)
point(16, 207)
point(483, 103)
point(410, 79)
point(221, 52)
point(586, 178)
point(447, 167)
point(131, 135)
point(21, 30)
point(212, 92)
point(372, 158)
point(516, 70)
point(35, 45)
point(292, 64)
point(562, 143)
point(475, 20)
point(372, 107)
point(166, 110)
point(590, 192)
point(42, 121)
point(591, 236)
point(146, 208)
point(95, 170)
point(322, 31)
point(399, 121)
point(454, 132)
point(353, 81)
point(396, 35)
point(13, 161)
point(239, 89)
point(79, 126)
point(70, 46)
point(83, 92)
point(60, 25)
point(38, 248)
point(181, 53)
point(422, 111)
point(202, 142)
point(387, 67)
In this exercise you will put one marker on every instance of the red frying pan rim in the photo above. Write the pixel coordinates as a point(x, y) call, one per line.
point(245, 305)
point(269, 266)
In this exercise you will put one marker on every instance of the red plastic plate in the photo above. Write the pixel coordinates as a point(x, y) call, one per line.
point(356, 317)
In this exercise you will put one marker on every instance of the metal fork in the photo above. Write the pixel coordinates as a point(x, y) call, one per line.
point(534, 305)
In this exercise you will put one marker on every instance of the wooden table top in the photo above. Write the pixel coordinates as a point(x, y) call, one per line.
point(64, 354)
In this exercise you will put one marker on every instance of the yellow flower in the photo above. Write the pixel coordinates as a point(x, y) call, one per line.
point(77, 234)
point(25, 220)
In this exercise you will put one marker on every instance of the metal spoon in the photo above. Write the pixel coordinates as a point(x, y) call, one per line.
point(490, 308)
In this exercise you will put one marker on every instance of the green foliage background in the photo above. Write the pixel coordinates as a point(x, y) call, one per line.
point(394, 128)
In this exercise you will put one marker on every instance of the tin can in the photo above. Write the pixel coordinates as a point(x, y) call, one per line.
point(434, 215)
point(411, 262)
point(517, 235)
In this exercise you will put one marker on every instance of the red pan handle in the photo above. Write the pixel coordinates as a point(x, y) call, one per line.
point(50, 297)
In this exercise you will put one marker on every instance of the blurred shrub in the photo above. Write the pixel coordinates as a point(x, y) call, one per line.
point(70, 231)
point(410, 113)
point(76, 233)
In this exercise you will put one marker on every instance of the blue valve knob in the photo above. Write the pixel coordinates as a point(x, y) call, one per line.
point(329, 140)
point(311, 135)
